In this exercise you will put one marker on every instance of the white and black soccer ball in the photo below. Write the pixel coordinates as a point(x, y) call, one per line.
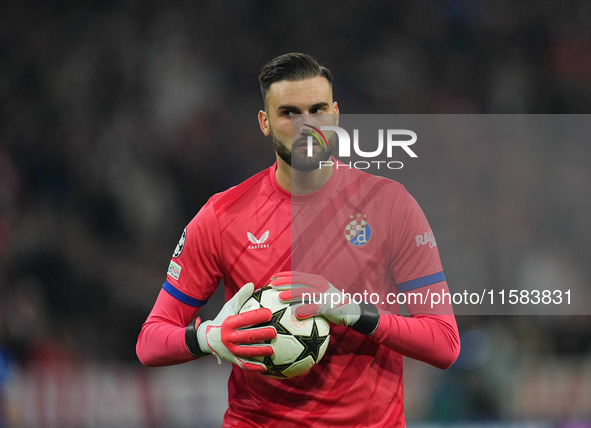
point(299, 344)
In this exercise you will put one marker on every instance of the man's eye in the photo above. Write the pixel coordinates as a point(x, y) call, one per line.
point(317, 110)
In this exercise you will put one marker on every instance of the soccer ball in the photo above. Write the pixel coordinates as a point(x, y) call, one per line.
point(299, 344)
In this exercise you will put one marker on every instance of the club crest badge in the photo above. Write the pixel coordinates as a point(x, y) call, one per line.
point(358, 231)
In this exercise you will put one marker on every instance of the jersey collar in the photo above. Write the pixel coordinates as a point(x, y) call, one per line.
point(321, 193)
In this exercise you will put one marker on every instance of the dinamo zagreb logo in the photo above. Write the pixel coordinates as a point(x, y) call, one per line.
point(358, 231)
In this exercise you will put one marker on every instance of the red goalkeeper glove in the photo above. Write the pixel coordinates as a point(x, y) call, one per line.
point(314, 295)
point(229, 337)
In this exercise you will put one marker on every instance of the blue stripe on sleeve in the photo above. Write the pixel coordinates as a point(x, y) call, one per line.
point(421, 282)
point(179, 295)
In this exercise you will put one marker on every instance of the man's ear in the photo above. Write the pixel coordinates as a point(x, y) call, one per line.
point(336, 111)
point(264, 123)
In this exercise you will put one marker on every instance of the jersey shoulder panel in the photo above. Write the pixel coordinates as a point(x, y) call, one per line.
point(197, 263)
point(249, 190)
point(415, 256)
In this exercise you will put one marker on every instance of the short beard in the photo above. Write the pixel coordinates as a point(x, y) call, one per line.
point(303, 163)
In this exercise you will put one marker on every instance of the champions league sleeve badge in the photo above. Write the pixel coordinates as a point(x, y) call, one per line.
point(179, 247)
point(358, 231)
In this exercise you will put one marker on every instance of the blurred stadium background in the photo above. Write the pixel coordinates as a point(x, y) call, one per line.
point(120, 118)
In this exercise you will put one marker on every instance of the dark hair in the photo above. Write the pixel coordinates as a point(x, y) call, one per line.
point(291, 66)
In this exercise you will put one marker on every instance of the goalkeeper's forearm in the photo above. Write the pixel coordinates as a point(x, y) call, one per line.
point(162, 340)
point(431, 335)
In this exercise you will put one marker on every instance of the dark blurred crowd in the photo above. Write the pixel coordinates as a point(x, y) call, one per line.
point(120, 118)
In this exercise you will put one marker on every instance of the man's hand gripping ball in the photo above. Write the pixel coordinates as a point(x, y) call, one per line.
point(314, 295)
point(229, 338)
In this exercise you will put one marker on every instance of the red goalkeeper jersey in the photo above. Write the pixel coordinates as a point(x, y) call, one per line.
point(366, 235)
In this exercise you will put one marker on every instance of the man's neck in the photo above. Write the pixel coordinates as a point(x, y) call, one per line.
point(301, 182)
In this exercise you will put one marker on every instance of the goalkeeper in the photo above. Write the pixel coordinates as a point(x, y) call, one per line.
point(313, 230)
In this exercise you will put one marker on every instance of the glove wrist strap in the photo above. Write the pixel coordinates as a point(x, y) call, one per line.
point(368, 319)
point(191, 340)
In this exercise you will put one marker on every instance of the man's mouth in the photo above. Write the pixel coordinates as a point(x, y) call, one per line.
point(303, 142)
